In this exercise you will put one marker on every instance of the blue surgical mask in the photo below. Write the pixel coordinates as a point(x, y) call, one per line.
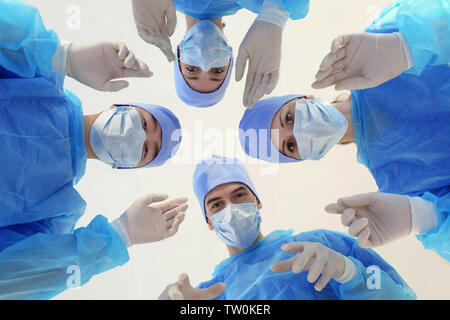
point(117, 137)
point(238, 224)
point(317, 128)
point(204, 45)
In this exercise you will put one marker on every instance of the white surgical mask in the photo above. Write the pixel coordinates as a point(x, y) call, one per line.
point(317, 128)
point(204, 45)
point(117, 137)
point(238, 224)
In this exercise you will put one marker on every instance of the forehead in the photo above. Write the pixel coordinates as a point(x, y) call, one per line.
point(224, 189)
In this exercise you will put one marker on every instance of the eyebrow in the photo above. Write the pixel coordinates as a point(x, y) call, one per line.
point(218, 198)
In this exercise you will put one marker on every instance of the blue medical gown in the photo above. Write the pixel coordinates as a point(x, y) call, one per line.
point(248, 276)
point(213, 9)
point(42, 154)
point(402, 132)
point(425, 25)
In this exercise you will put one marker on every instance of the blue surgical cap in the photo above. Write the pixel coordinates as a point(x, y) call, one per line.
point(170, 139)
point(195, 98)
point(215, 171)
point(254, 129)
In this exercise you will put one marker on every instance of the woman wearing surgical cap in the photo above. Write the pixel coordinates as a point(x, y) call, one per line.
point(203, 59)
point(46, 141)
point(402, 133)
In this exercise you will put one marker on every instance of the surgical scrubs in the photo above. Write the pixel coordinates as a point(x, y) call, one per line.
point(248, 276)
point(213, 9)
point(402, 128)
point(42, 156)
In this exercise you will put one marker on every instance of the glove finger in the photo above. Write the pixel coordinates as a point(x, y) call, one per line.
point(335, 67)
point(334, 208)
point(171, 231)
point(295, 246)
point(257, 83)
point(340, 42)
point(174, 293)
point(171, 19)
point(262, 89)
point(150, 198)
point(241, 62)
point(113, 86)
point(211, 292)
point(363, 238)
point(348, 217)
point(357, 226)
point(331, 58)
point(324, 279)
point(316, 268)
point(130, 61)
point(122, 50)
point(133, 73)
point(274, 76)
point(171, 214)
point(283, 266)
point(172, 204)
point(356, 83)
point(332, 79)
point(303, 260)
point(357, 201)
point(168, 53)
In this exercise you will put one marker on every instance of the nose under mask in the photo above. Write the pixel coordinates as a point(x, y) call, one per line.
point(204, 45)
point(238, 224)
point(317, 128)
point(117, 137)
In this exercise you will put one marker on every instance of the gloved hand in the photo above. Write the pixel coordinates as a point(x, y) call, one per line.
point(156, 21)
point(374, 218)
point(314, 257)
point(363, 60)
point(182, 290)
point(262, 47)
point(95, 65)
point(144, 223)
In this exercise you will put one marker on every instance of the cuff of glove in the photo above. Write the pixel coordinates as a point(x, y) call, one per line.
point(424, 216)
point(117, 225)
point(273, 12)
point(59, 60)
point(406, 49)
point(350, 271)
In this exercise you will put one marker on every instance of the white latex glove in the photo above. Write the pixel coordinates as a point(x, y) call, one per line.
point(314, 257)
point(156, 21)
point(144, 223)
point(182, 290)
point(95, 65)
point(262, 47)
point(363, 60)
point(374, 218)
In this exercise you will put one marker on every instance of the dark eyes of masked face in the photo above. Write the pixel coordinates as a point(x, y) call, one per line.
point(289, 118)
point(291, 145)
point(217, 70)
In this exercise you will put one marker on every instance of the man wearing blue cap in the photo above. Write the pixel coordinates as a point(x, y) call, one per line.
point(46, 141)
point(270, 267)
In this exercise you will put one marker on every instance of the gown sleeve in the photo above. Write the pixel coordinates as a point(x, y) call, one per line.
point(438, 239)
point(375, 278)
point(26, 46)
point(426, 26)
point(42, 265)
point(298, 9)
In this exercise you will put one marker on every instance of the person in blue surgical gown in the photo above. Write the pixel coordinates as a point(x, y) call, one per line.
point(319, 264)
point(46, 141)
point(400, 127)
point(204, 59)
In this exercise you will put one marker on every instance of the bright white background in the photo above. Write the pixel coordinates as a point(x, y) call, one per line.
point(294, 197)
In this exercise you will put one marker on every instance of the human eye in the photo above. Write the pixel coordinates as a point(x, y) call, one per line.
point(191, 68)
point(217, 71)
point(289, 118)
point(145, 150)
point(144, 125)
point(291, 145)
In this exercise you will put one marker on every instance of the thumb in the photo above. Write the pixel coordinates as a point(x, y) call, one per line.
point(171, 18)
point(113, 86)
point(358, 201)
point(241, 62)
point(211, 292)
